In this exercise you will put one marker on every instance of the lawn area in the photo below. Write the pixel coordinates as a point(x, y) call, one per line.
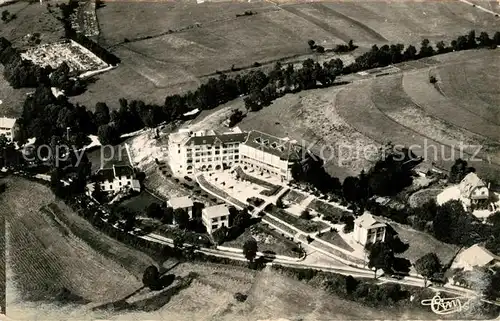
point(294, 197)
point(284, 227)
point(335, 239)
point(254, 180)
point(267, 240)
point(201, 239)
point(302, 224)
point(140, 203)
point(420, 197)
point(327, 210)
point(422, 243)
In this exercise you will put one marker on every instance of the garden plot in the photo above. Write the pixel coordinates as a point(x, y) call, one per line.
point(78, 58)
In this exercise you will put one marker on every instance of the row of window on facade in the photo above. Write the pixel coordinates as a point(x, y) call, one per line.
point(210, 159)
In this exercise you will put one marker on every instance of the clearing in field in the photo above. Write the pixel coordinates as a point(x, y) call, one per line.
point(78, 58)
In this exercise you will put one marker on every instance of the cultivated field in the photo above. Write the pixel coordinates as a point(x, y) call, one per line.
point(167, 47)
point(45, 255)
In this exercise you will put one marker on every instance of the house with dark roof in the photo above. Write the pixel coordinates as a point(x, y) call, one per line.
point(367, 229)
point(272, 155)
point(117, 178)
point(473, 191)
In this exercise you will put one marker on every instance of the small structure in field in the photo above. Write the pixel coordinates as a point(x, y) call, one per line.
point(215, 217)
point(473, 191)
point(183, 202)
point(367, 229)
point(7, 126)
point(118, 178)
point(475, 256)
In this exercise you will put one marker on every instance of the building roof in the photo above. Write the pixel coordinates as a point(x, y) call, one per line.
point(281, 147)
point(109, 174)
point(217, 139)
point(469, 183)
point(216, 211)
point(123, 170)
point(6, 122)
point(368, 221)
point(476, 255)
point(180, 202)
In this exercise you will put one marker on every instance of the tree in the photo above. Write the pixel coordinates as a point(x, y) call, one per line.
point(458, 171)
point(108, 135)
point(250, 249)
point(349, 224)
point(484, 39)
point(101, 114)
point(410, 53)
point(279, 203)
point(181, 218)
point(168, 215)
point(154, 210)
point(441, 47)
point(426, 49)
point(151, 277)
point(381, 257)
point(427, 266)
point(179, 241)
point(351, 188)
point(320, 49)
point(220, 235)
point(311, 43)
point(305, 215)
point(98, 193)
point(471, 40)
point(496, 38)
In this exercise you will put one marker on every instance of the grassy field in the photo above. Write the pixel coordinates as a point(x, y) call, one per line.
point(422, 243)
point(168, 47)
point(304, 225)
point(12, 99)
point(335, 239)
point(294, 197)
point(267, 240)
point(327, 210)
point(45, 255)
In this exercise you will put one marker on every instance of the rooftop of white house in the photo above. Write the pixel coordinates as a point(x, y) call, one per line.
point(284, 148)
point(180, 202)
point(368, 221)
point(6, 122)
point(108, 174)
point(216, 211)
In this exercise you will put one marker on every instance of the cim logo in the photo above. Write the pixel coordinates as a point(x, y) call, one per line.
point(444, 306)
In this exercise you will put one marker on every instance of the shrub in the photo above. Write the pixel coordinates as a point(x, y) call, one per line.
point(305, 215)
point(240, 297)
point(432, 80)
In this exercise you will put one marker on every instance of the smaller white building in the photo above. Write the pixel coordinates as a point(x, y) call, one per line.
point(215, 217)
point(7, 127)
point(118, 178)
point(475, 256)
point(473, 191)
point(183, 202)
point(367, 229)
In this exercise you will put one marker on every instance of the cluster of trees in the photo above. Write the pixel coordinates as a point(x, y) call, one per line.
point(168, 215)
point(239, 220)
point(382, 256)
point(18, 72)
point(7, 16)
point(24, 73)
point(396, 53)
point(337, 49)
point(67, 10)
point(459, 170)
point(348, 287)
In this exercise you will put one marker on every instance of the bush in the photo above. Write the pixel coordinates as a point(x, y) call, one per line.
point(240, 297)
point(432, 80)
point(305, 215)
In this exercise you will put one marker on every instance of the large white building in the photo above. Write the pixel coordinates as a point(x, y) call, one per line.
point(215, 217)
point(7, 127)
point(191, 152)
point(368, 230)
point(117, 178)
point(272, 155)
